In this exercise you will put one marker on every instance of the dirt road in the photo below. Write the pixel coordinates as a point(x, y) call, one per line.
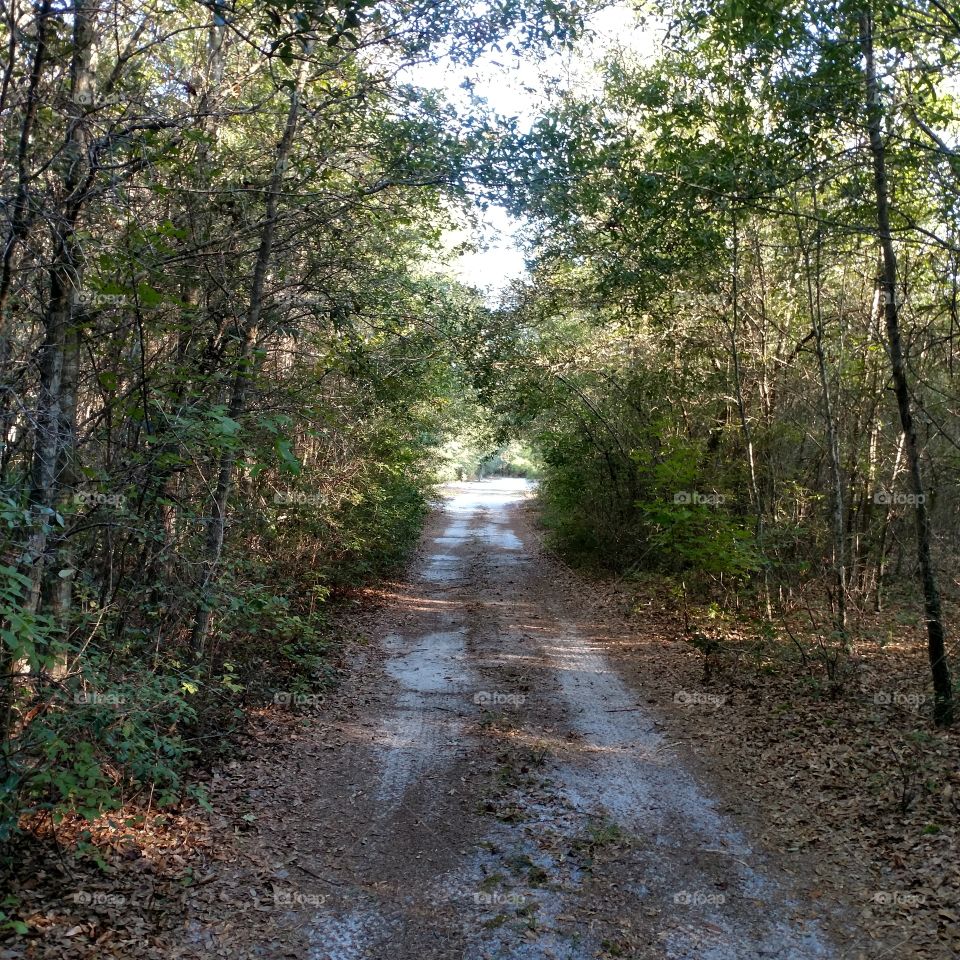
point(492, 788)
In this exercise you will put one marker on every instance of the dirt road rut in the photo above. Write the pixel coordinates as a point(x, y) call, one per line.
point(497, 790)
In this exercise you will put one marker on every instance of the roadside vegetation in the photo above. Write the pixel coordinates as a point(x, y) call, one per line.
point(736, 353)
point(230, 356)
point(235, 365)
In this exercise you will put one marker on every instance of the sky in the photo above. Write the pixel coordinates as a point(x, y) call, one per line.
point(520, 87)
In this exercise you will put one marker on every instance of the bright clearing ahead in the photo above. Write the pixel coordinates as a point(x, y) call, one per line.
point(522, 88)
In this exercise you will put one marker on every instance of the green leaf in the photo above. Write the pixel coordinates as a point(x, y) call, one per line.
point(107, 380)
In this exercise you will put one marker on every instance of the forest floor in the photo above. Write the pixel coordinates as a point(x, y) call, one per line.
point(525, 764)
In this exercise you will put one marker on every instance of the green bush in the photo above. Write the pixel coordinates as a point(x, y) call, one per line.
point(93, 742)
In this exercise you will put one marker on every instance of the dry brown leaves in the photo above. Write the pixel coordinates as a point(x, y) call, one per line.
point(844, 779)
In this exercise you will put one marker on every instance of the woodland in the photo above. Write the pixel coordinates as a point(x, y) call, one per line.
point(237, 363)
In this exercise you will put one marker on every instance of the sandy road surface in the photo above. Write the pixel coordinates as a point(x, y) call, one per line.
point(497, 790)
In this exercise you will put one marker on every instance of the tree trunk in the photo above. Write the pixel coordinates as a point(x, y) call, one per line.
point(55, 430)
point(936, 642)
point(197, 219)
point(45, 555)
point(812, 275)
point(19, 220)
point(734, 329)
point(217, 510)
